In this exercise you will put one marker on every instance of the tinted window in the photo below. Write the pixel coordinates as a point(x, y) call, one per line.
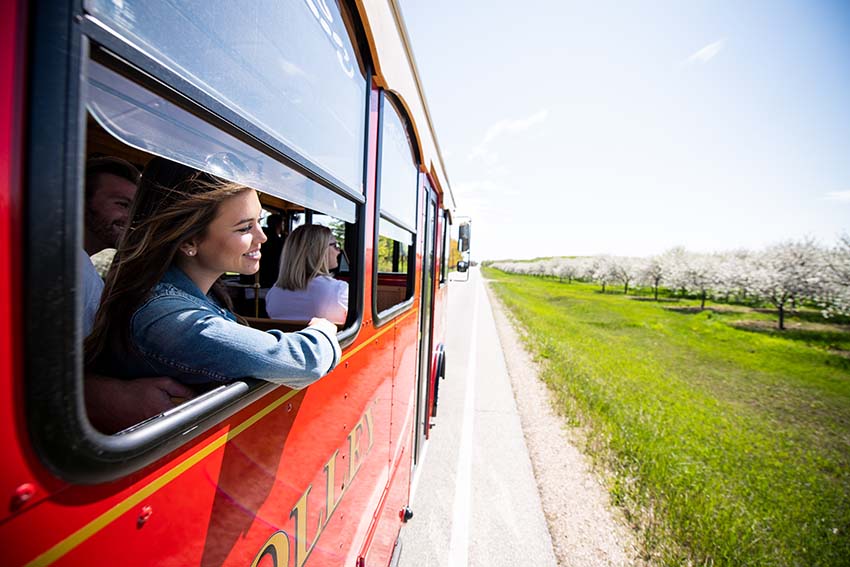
point(394, 268)
point(398, 176)
point(394, 250)
point(288, 66)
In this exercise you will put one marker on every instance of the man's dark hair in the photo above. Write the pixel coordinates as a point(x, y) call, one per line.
point(112, 165)
point(274, 221)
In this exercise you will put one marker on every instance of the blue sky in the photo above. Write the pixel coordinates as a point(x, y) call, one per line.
point(631, 127)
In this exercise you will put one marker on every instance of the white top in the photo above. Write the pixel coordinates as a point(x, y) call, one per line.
point(92, 289)
point(324, 297)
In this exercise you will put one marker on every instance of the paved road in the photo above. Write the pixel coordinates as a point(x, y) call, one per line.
point(475, 500)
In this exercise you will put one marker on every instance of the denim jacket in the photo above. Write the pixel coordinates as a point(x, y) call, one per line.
point(180, 332)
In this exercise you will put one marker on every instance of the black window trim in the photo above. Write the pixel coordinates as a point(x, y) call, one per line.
point(383, 317)
point(61, 435)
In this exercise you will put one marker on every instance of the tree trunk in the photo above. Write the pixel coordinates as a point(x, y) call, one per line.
point(781, 317)
point(655, 289)
point(702, 301)
point(626, 290)
point(603, 287)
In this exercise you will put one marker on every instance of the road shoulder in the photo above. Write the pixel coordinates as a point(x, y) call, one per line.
point(586, 529)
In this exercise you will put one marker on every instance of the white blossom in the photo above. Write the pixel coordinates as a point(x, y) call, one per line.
point(785, 274)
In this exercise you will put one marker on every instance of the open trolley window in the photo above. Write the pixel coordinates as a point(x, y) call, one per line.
point(191, 84)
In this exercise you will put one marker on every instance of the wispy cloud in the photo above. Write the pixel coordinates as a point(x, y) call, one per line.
point(503, 126)
point(843, 196)
point(506, 127)
point(707, 53)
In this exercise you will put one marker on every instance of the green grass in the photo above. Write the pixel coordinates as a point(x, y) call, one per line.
point(727, 442)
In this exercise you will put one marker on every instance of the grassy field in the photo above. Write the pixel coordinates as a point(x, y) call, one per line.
point(727, 442)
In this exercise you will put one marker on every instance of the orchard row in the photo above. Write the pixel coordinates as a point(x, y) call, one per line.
point(785, 275)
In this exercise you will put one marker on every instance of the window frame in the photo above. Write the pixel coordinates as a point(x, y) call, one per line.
point(62, 39)
point(383, 317)
point(444, 247)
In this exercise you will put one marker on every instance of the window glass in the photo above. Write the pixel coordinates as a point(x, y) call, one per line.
point(393, 255)
point(399, 171)
point(288, 65)
point(148, 122)
point(336, 225)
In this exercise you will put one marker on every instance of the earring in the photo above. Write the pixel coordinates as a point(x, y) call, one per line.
point(190, 252)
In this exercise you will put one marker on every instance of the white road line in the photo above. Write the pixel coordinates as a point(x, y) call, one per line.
point(459, 544)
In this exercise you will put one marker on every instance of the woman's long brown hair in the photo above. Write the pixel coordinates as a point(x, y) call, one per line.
point(174, 203)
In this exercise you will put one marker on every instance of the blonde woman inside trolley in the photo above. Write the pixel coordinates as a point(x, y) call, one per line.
point(305, 287)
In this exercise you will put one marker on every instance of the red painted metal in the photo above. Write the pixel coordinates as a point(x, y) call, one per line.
point(16, 477)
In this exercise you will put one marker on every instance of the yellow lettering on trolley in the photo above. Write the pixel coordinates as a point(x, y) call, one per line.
point(369, 424)
point(300, 512)
point(277, 547)
point(354, 438)
point(354, 450)
point(300, 515)
point(330, 475)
